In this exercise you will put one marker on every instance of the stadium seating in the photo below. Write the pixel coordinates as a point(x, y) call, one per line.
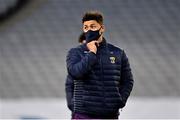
point(33, 50)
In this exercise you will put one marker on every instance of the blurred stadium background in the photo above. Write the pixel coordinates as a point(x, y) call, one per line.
point(35, 36)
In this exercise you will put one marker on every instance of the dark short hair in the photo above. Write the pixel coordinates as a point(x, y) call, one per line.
point(93, 15)
point(81, 37)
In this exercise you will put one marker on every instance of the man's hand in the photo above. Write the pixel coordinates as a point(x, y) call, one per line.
point(92, 46)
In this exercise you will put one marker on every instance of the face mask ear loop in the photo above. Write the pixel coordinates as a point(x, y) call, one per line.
point(99, 31)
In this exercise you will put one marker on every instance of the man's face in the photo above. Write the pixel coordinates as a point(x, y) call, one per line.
point(92, 25)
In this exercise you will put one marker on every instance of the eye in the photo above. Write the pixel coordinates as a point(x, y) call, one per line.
point(85, 27)
point(93, 26)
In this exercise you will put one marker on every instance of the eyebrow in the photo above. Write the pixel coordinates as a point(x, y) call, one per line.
point(90, 24)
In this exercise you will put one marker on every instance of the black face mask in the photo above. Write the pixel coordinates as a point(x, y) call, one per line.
point(92, 35)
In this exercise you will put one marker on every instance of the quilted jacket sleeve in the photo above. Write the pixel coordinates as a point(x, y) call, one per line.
point(69, 92)
point(77, 67)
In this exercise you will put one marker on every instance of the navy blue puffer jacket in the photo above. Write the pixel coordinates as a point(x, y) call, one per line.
point(98, 84)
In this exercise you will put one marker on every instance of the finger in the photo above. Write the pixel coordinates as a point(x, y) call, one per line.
point(94, 41)
point(97, 44)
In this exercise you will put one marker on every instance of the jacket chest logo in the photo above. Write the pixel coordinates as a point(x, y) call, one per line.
point(112, 59)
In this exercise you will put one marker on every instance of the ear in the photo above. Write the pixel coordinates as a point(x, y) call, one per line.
point(103, 28)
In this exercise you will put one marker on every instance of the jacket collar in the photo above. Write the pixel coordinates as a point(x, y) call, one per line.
point(103, 43)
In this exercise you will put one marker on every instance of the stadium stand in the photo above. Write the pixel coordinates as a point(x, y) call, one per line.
point(33, 50)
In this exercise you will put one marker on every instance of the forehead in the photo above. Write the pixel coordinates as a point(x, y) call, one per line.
point(90, 22)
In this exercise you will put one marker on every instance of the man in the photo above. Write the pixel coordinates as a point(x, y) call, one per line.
point(101, 74)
